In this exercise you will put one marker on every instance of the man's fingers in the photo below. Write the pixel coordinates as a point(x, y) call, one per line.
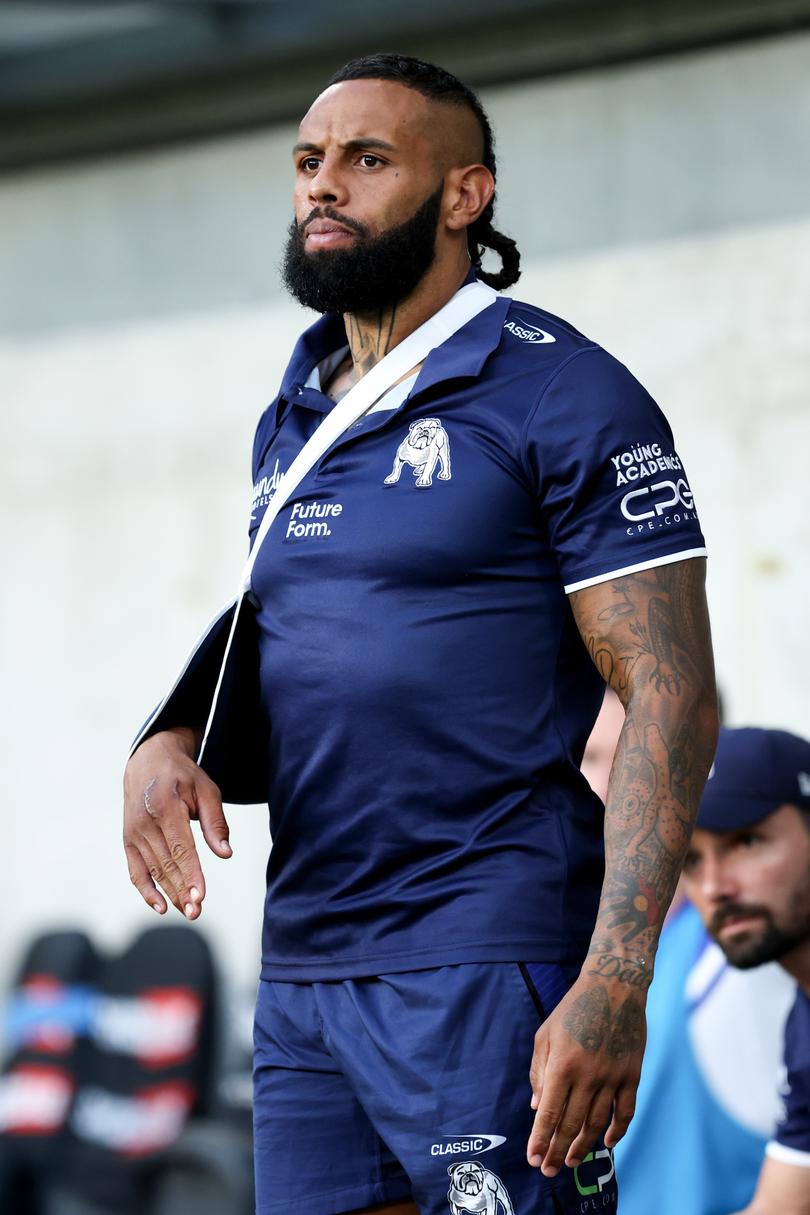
point(180, 839)
point(623, 1112)
point(181, 862)
point(213, 823)
point(537, 1071)
point(142, 881)
point(552, 1104)
point(165, 872)
point(569, 1126)
point(167, 829)
point(592, 1128)
point(160, 875)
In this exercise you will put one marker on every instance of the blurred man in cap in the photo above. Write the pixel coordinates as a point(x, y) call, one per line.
point(748, 873)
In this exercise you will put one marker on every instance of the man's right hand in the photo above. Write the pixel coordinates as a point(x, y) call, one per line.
point(164, 789)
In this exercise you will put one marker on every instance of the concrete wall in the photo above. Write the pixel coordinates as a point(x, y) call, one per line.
point(664, 208)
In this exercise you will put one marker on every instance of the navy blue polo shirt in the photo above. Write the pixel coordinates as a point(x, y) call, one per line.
point(428, 694)
point(791, 1142)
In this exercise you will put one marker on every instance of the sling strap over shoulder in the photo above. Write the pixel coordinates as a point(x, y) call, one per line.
point(193, 686)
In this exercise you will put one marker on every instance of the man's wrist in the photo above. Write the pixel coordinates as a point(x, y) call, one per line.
point(184, 740)
point(619, 964)
point(187, 738)
point(605, 1015)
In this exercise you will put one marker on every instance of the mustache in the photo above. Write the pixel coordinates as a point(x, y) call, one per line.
point(735, 911)
point(345, 221)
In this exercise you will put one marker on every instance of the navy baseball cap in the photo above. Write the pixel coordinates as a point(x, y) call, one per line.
point(755, 771)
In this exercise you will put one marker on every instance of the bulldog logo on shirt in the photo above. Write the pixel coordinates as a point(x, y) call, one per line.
point(476, 1191)
point(426, 446)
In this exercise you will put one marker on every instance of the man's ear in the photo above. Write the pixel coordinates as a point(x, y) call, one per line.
point(468, 190)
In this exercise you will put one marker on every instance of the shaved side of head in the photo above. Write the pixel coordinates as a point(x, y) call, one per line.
point(459, 135)
point(456, 136)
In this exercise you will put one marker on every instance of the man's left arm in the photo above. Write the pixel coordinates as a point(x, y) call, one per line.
point(648, 634)
point(782, 1189)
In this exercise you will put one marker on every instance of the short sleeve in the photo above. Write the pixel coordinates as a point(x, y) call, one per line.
point(612, 490)
point(791, 1142)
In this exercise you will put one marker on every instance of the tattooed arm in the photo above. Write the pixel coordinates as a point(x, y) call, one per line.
point(648, 634)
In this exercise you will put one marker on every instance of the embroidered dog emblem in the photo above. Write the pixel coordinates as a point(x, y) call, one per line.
point(473, 1189)
point(426, 446)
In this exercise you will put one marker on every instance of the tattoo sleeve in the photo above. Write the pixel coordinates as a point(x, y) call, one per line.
point(648, 634)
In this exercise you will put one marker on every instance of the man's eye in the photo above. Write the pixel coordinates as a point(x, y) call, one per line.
point(310, 164)
point(747, 839)
point(369, 161)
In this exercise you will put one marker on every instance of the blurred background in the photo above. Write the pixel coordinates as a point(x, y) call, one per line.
point(654, 170)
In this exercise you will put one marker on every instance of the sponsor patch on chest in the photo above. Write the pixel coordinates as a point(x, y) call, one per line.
point(309, 520)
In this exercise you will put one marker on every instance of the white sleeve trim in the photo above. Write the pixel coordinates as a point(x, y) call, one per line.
point(787, 1155)
point(634, 569)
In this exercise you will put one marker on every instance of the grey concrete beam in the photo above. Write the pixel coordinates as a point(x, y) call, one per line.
point(238, 66)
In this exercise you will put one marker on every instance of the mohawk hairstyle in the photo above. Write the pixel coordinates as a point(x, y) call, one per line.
point(439, 85)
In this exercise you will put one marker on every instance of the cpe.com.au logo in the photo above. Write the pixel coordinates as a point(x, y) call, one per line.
point(658, 505)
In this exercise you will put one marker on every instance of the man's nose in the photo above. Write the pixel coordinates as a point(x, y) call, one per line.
point(327, 186)
point(718, 881)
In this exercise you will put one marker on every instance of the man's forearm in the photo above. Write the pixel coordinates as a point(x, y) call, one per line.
point(648, 634)
point(650, 640)
point(782, 1189)
point(658, 773)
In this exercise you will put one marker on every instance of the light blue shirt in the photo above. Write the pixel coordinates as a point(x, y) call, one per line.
point(708, 1099)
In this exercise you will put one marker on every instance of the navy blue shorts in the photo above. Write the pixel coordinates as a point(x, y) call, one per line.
point(409, 1086)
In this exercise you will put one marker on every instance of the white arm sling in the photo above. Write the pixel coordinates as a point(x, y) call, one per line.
point(228, 757)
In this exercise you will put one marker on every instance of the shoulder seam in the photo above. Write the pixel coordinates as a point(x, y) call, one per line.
point(532, 412)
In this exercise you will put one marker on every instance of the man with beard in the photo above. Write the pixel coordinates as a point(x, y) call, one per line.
point(438, 603)
point(748, 873)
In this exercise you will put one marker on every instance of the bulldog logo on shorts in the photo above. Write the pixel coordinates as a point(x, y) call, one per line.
point(476, 1191)
point(426, 446)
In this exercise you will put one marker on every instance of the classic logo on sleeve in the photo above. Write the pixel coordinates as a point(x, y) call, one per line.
point(529, 333)
point(657, 493)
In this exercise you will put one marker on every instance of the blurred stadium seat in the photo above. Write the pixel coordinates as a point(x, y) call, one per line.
point(47, 1022)
point(109, 1097)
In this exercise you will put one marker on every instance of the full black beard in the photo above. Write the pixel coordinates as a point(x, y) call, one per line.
point(769, 944)
point(373, 274)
